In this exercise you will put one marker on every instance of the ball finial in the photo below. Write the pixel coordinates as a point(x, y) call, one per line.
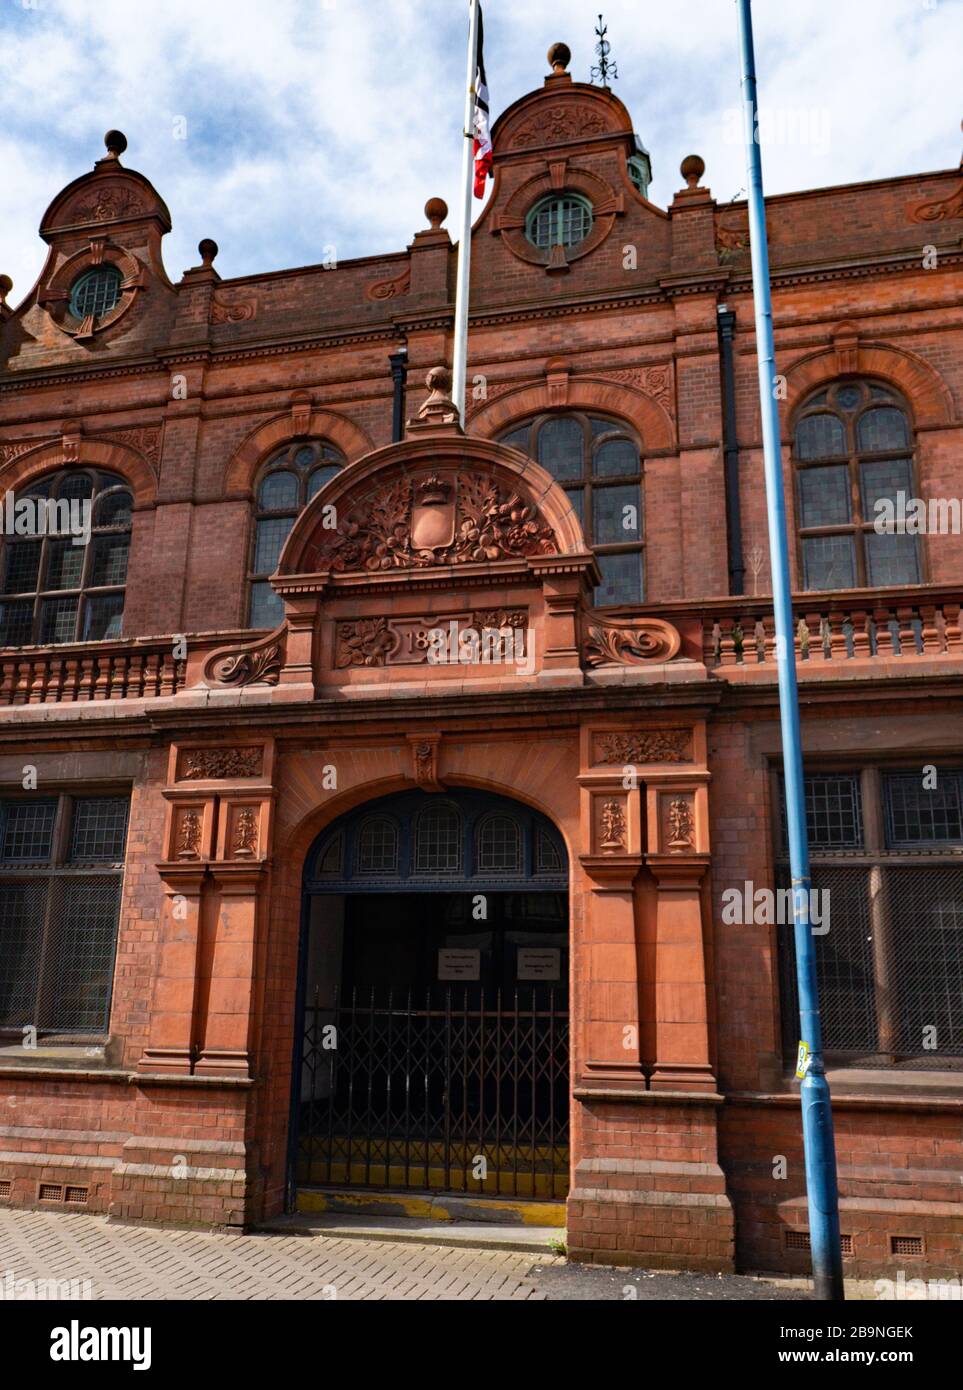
point(116, 142)
point(692, 168)
point(436, 210)
point(6, 285)
point(208, 250)
point(559, 57)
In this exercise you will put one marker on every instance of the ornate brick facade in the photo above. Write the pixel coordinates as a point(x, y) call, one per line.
point(681, 1095)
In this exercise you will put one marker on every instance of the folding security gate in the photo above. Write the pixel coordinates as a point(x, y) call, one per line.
point(432, 1039)
point(454, 1091)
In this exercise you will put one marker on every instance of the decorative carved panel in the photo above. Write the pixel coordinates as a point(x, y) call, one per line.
point(630, 643)
point(939, 210)
point(144, 438)
point(411, 523)
point(233, 311)
point(558, 124)
point(406, 641)
point(391, 288)
point(198, 764)
point(652, 746)
point(249, 663)
point(654, 381)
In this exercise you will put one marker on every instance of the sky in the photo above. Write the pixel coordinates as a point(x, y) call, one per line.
point(282, 128)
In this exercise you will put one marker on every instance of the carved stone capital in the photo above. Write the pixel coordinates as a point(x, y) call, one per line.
point(612, 873)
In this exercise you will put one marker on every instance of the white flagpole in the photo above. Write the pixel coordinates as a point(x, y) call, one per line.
point(459, 368)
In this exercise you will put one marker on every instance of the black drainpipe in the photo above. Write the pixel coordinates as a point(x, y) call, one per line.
point(730, 451)
point(399, 369)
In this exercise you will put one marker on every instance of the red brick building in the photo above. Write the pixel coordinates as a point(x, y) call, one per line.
point(297, 896)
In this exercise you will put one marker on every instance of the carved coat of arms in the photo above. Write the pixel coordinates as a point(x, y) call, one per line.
point(413, 523)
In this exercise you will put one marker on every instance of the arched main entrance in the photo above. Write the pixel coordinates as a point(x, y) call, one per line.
point(433, 1000)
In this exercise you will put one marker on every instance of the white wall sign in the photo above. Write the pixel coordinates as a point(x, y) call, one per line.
point(456, 964)
point(539, 962)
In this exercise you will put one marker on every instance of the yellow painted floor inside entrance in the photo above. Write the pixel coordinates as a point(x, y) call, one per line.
point(431, 1206)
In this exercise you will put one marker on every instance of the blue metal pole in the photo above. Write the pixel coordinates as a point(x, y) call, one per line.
point(817, 1119)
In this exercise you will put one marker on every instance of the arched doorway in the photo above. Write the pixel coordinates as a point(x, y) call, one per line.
point(433, 1000)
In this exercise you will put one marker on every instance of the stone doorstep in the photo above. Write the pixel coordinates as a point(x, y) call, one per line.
point(470, 1235)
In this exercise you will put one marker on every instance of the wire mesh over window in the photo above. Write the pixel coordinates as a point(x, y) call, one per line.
point(888, 931)
point(438, 844)
point(918, 814)
point(499, 844)
point(378, 847)
point(58, 920)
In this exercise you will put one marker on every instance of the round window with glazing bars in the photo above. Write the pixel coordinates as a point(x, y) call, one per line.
point(95, 292)
point(561, 220)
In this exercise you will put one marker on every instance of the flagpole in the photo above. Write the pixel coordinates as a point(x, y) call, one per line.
point(817, 1117)
point(459, 367)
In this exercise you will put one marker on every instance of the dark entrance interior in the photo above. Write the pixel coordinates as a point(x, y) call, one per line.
point(434, 988)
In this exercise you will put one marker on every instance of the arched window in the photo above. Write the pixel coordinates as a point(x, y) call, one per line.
point(438, 839)
point(95, 292)
point(561, 220)
point(853, 449)
point(378, 846)
point(63, 571)
point(286, 483)
point(499, 844)
point(598, 464)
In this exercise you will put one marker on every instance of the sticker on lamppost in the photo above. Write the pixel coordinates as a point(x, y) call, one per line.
point(804, 1059)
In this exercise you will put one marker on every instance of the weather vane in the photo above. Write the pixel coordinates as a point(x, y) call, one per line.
point(603, 48)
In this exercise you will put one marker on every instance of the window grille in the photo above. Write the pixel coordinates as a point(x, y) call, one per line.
point(890, 966)
point(58, 917)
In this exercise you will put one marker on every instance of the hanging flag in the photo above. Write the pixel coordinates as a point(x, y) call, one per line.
point(480, 130)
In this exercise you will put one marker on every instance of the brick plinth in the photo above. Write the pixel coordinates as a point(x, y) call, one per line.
point(649, 1190)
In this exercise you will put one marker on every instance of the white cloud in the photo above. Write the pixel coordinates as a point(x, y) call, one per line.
point(309, 125)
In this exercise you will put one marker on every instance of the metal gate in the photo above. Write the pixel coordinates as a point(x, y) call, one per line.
point(458, 1089)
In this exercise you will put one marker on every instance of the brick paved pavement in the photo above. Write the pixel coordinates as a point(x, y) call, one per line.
point(134, 1262)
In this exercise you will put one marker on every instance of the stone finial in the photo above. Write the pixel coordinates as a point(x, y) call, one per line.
point(439, 410)
point(692, 168)
point(439, 407)
point(6, 285)
point(207, 249)
point(116, 143)
point(436, 210)
point(559, 57)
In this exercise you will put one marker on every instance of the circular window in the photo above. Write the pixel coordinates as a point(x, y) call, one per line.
point(559, 221)
point(95, 292)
